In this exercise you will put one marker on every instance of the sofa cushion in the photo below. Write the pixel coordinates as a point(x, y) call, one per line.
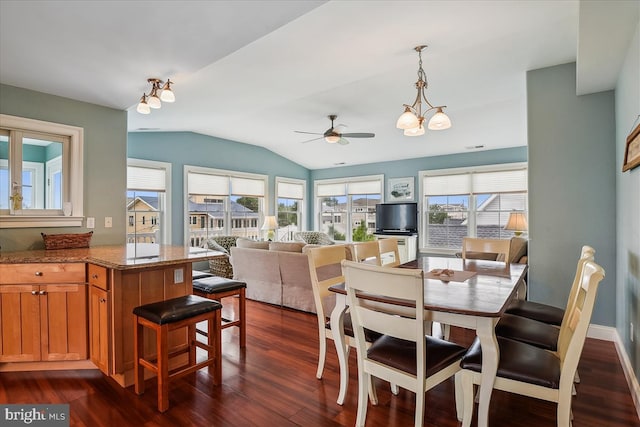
point(286, 246)
point(252, 244)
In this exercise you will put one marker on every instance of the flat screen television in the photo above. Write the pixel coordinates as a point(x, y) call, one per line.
point(397, 218)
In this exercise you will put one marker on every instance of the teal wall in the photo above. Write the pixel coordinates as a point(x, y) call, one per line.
point(572, 186)
point(105, 148)
point(193, 149)
point(628, 213)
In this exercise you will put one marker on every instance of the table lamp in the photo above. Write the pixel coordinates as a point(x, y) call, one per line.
point(270, 224)
point(517, 223)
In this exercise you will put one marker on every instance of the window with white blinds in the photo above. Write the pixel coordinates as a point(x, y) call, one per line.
point(148, 202)
point(472, 202)
point(290, 202)
point(345, 208)
point(220, 202)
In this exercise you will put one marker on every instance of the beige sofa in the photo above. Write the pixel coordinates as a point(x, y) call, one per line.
point(275, 273)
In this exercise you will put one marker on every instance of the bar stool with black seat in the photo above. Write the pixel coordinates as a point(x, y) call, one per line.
point(216, 288)
point(169, 315)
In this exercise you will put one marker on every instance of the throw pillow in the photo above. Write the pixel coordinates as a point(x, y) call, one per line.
point(286, 246)
point(252, 244)
point(214, 246)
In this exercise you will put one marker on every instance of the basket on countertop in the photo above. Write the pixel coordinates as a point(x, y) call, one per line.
point(67, 241)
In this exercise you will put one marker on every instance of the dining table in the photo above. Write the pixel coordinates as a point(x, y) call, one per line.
point(467, 293)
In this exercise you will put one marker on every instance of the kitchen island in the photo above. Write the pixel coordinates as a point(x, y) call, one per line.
point(72, 308)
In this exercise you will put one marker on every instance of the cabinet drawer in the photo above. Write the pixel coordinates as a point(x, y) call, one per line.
point(98, 276)
point(42, 273)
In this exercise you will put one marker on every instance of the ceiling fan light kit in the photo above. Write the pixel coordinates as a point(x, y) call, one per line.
point(412, 119)
point(334, 135)
point(156, 96)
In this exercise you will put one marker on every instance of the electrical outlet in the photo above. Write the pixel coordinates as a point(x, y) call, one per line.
point(631, 331)
point(178, 275)
point(91, 222)
point(108, 222)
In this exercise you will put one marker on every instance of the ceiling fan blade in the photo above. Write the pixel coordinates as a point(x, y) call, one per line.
point(359, 135)
point(343, 141)
point(310, 133)
point(310, 140)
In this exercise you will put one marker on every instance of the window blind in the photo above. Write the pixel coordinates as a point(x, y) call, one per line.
point(149, 179)
point(204, 184)
point(443, 185)
point(337, 189)
point(499, 181)
point(365, 187)
point(247, 186)
point(289, 190)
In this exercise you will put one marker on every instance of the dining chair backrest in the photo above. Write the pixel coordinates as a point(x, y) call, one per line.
point(367, 252)
point(389, 252)
point(325, 271)
point(586, 254)
point(402, 354)
point(492, 249)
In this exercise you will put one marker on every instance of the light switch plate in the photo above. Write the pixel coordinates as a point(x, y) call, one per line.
point(91, 222)
point(108, 222)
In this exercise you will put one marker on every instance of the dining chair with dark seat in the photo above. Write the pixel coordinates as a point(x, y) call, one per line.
point(532, 371)
point(404, 355)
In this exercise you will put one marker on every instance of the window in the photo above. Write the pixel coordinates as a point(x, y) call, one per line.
point(148, 199)
point(234, 202)
point(291, 196)
point(40, 173)
point(347, 207)
point(472, 202)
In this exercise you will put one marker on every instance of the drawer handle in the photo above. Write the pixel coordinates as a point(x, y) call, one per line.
point(39, 273)
point(42, 293)
point(34, 292)
point(102, 300)
point(94, 276)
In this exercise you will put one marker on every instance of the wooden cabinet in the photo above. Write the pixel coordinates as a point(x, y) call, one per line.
point(99, 315)
point(43, 312)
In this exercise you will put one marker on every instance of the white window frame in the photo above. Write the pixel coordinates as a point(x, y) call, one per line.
point(339, 181)
point(165, 219)
point(227, 208)
point(53, 166)
point(73, 175)
point(472, 208)
point(302, 220)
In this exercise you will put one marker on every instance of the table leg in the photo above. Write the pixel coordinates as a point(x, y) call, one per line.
point(490, 357)
point(337, 330)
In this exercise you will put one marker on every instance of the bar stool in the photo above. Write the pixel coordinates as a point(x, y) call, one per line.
point(216, 288)
point(165, 316)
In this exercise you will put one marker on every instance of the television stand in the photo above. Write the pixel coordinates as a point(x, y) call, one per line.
point(407, 244)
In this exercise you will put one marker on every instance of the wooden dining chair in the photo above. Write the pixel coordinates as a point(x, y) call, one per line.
point(326, 270)
point(368, 252)
point(487, 249)
point(538, 332)
point(531, 371)
point(389, 252)
point(404, 355)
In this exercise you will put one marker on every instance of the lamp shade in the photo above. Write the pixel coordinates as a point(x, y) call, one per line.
point(332, 139)
point(517, 222)
point(407, 120)
point(439, 121)
point(270, 223)
point(143, 107)
point(416, 131)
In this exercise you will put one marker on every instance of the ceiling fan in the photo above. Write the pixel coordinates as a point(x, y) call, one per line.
point(333, 134)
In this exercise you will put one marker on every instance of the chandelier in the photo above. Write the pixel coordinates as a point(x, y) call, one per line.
point(412, 120)
point(157, 94)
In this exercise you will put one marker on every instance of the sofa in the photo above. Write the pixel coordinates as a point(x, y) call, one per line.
point(275, 272)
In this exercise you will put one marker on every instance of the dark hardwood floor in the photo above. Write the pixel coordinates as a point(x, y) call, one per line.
point(273, 383)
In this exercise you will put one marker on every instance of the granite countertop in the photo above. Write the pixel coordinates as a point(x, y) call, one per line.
point(119, 257)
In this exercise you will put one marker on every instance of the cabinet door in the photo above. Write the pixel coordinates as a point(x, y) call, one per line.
point(19, 323)
point(99, 328)
point(63, 322)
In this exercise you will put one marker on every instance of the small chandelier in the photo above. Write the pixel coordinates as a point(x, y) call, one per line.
point(157, 94)
point(412, 120)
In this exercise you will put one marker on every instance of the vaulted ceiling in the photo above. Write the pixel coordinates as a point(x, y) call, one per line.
point(256, 71)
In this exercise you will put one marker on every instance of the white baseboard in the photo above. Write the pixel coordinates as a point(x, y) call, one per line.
point(608, 333)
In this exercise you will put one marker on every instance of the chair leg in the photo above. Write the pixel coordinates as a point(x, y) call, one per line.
point(466, 383)
point(395, 389)
point(242, 311)
point(138, 351)
point(419, 415)
point(564, 409)
point(322, 353)
point(446, 331)
point(364, 382)
point(459, 395)
point(163, 367)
